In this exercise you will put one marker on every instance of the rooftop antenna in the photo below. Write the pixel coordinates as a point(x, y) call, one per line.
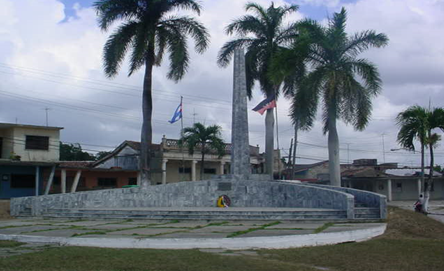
point(46, 112)
point(194, 115)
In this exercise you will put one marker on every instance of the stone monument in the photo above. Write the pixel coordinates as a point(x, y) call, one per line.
point(240, 148)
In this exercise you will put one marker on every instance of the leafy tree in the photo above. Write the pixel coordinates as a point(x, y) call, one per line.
point(74, 152)
point(149, 29)
point(102, 154)
point(263, 35)
point(203, 138)
point(344, 83)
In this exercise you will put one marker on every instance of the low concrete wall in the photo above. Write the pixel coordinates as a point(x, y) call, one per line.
point(370, 199)
point(195, 194)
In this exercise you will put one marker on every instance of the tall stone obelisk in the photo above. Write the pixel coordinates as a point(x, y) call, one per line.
point(240, 148)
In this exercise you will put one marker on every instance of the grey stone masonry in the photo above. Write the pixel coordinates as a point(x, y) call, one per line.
point(240, 153)
point(243, 193)
point(367, 198)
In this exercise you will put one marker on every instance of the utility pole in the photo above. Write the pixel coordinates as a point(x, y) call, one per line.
point(289, 155)
point(348, 152)
point(383, 147)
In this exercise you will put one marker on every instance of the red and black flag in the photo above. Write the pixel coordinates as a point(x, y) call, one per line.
point(269, 102)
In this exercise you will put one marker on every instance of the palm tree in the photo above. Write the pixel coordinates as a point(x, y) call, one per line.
point(149, 29)
point(206, 138)
point(263, 35)
point(418, 123)
point(344, 83)
point(414, 126)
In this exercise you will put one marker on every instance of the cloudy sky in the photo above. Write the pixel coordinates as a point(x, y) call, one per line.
point(50, 62)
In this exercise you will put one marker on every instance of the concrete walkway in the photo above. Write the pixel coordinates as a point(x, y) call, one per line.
point(185, 234)
point(436, 208)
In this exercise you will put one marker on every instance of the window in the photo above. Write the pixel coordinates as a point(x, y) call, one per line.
point(398, 188)
point(132, 181)
point(22, 181)
point(209, 170)
point(184, 170)
point(1, 146)
point(107, 182)
point(37, 143)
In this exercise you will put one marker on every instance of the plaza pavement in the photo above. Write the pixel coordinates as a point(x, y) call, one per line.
point(436, 208)
point(147, 233)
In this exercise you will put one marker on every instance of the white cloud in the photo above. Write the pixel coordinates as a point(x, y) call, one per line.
point(35, 35)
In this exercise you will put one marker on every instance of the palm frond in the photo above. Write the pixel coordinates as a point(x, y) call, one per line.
point(174, 31)
point(116, 47)
point(187, 4)
point(139, 49)
point(110, 11)
point(305, 102)
point(413, 123)
point(199, 135)
point(436, 118)
point(227, 51)
point(369, 73)
point(336, 31)
point(364, 40)
point(245, 25)
point(258, 10)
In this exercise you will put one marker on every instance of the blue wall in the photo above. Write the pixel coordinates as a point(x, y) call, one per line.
point(7, 192)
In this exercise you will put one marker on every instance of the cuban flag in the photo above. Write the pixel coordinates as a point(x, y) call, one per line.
point(177, 114)
point(268, 103)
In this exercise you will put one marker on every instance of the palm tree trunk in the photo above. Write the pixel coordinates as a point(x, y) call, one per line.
point(430, 178)
point(422, 166)
point(333, 149)
point(202, 162)
point(147, 130)
point(296, 127)
point(269, 142)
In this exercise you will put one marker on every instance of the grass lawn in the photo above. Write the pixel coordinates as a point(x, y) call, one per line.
point(412, 242)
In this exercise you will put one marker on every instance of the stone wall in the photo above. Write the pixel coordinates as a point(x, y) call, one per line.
point(195, 194)
point(370, 199)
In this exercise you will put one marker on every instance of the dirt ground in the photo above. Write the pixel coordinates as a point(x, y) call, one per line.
point(4, 209)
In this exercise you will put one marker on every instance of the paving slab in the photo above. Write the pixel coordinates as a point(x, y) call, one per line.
point(86, 223)
point(58, 233)
point(264, 233)
point(114, 227)
point(143, 231)
point(224, 229)
point(194, 235)
point(286, 225)
point(183, 224)
point(19, 230)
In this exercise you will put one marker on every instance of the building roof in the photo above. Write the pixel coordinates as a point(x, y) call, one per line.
point(8, 162)
point(76, 164)
point(409, 172)
point(299, 168)
point(132, 144)
point(363, 172)
point(13, 125)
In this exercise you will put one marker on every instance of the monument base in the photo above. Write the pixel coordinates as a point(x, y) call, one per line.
point(204, 194)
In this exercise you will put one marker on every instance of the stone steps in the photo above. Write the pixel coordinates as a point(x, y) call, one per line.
point(367, 213)
point(197, 214)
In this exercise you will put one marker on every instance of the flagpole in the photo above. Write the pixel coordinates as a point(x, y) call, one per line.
point(277, 138)
point(181, 137)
